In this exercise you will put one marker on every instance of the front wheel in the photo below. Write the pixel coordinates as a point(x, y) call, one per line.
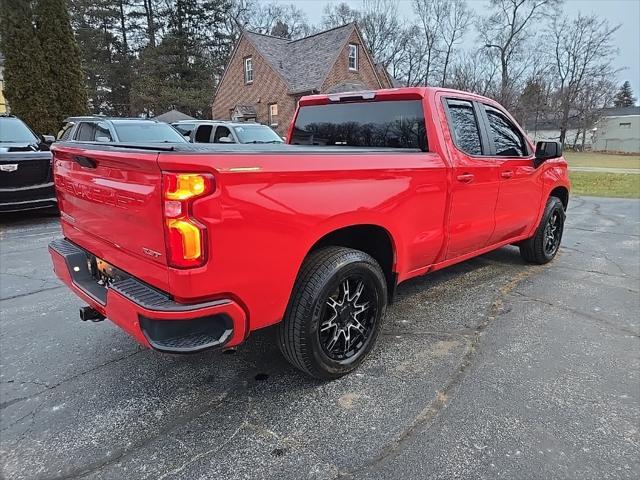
point(543, 246)
point(335, 312)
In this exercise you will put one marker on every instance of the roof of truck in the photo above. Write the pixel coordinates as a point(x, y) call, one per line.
point(402, 93)
point(103, 118)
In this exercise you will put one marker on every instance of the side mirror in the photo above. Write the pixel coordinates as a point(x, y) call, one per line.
point(103, 139)
point(187, 138)
point(546, 151)
point(225, 140)
point(48, 139)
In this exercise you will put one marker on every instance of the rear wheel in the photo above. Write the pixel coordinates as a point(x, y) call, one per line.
point(543, 246)
point(335, 312)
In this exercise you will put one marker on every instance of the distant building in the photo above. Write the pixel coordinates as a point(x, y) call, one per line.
point(546, 129)
point(618, 130)
point(3, 102)
point(266, 75)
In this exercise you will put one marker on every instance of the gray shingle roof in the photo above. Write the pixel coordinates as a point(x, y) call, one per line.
point(303, 63)
point(172, 116)
point(620, 111)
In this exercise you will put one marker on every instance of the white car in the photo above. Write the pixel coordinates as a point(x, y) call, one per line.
point(212, 131)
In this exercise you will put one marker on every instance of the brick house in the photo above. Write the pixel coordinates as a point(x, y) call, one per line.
point(266, 76)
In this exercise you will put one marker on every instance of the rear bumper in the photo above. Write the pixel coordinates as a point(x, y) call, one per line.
point(147, 314)
point(27, 198)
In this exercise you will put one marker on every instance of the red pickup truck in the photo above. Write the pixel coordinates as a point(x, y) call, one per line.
point(189, 247)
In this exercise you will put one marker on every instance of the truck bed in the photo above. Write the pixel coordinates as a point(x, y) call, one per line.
point(200, 148)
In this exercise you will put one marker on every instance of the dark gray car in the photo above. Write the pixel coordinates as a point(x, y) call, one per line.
point(118, 130)
point(26, 181)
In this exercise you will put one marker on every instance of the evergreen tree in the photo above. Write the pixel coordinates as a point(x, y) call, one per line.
point(105, 30)
point(64, 73)
point(180, 71)
point(624, 97)
point(25, 87)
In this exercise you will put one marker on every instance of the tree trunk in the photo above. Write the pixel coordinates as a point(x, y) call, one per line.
point(151, 27)
point(564, 123)
point(446, 65)
point(504, 83)
point(575, 140)
point(123, 30)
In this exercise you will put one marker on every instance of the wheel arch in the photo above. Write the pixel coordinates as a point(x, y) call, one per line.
point(372, 239)
point(562, 193)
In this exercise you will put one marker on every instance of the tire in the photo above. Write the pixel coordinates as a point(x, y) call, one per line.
point(329, 328)
point(538, 249)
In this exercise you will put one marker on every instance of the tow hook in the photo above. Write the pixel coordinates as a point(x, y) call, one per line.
point(88, 313)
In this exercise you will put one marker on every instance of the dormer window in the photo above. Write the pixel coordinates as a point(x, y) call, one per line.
point(248, 70)
point(353, 57)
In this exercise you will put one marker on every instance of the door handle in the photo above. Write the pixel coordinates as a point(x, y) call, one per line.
point(85, 161)
point(466, 177)
point(507, 174)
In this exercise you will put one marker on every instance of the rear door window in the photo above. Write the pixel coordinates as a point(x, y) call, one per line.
point(507, 139)
point(86, 132)
point(66, 132)
point(397, 124)
point(464, 126)
point(102, 133)
point(203, 134)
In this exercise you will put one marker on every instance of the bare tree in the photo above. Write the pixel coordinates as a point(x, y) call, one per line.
point(582, 53)
point(505, 30)
point(273, 18)
point(382, 31)
point(475, 72)
point(455, 18)
point(335, 15)
point(429, 15)
point(409, 64)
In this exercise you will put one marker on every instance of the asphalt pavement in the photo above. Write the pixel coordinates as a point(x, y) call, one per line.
point(489, 369)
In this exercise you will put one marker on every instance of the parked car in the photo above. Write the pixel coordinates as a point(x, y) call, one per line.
point(26, 181)
point(213, 131)
point(201, 246)
point(118, 130)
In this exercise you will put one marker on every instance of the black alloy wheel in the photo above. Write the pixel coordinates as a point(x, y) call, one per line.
point(553, 233)
point(335, 312)
point(348, 318)
point(543, 246)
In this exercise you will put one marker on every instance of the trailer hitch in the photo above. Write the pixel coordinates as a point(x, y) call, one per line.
point(88, 313)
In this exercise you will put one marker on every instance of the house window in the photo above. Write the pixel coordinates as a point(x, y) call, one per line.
point(353, 56)
point(273, 114)
point(248, 70)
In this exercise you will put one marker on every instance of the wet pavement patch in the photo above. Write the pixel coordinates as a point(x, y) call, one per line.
point(489, 368)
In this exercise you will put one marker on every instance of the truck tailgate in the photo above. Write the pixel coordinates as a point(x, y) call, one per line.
point(111, 201)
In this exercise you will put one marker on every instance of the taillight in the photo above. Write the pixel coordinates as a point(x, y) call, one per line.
point(186, 238)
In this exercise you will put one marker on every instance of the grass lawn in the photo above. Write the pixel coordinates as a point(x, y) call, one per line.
point(625, 185)
point(598, 159)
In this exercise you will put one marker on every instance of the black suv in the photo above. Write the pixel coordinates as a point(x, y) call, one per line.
point(118, 130)
point(26, 181)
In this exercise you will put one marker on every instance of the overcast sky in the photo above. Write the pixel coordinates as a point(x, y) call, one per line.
point(623, 12)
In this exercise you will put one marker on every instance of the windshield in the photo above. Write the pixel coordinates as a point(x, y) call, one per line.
point(396, 124)
point(13, 130)
point(256, 134)
point(147, 132)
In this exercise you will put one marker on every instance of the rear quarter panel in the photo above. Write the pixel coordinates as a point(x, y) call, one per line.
point(269, 210)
